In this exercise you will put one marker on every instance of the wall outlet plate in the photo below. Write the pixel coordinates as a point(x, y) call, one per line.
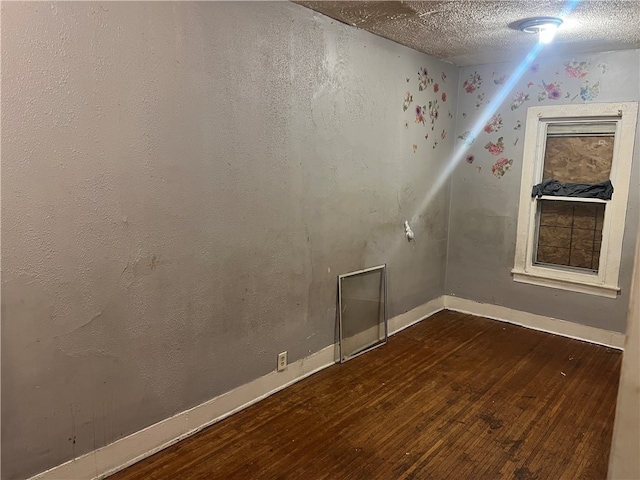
point(282, 361)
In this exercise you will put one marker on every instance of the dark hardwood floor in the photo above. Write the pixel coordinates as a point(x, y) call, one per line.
point(454, 397)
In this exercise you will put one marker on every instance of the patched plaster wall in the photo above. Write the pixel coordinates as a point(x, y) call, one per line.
point(181, 184)
point(486, 182)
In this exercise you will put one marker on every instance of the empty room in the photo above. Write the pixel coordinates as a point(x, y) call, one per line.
point(320, 240)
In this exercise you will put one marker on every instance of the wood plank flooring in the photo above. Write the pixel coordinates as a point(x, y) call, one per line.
point(454, 397)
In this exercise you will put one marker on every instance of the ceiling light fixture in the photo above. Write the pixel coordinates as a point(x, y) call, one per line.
point(545, 27)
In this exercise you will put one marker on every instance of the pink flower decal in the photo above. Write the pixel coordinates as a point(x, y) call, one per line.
point(408, 98)
point(501, 166)
point(518, 99)
point(433, 112)
point(444, 97)
point(470, 159)
point(554, 94)
point(423, 79)
point(551, 91)
point(495, 148)
point(494, 124)
point(575, 69)
point(420, 114)
point(472, 83)
point(436, 87)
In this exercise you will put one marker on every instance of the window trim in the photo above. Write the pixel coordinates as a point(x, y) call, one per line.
point(605, 281)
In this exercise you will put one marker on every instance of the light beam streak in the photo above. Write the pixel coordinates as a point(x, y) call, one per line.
point(486, 114)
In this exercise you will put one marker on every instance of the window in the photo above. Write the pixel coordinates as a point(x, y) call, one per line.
point(571, 242)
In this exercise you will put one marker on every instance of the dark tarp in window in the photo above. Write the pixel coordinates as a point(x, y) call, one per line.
point(602, 190)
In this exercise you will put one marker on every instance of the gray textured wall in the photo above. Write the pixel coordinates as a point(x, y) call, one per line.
point(625, 444)
point(484, 207)
point(181, 184)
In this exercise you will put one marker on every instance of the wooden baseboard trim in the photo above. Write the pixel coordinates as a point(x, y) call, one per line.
point(118, 455)
point(536, 322)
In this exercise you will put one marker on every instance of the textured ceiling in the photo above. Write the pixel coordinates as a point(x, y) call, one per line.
point(472, 32)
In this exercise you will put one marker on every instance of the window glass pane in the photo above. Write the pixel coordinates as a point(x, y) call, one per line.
point(362, 316)
point(578, 159)
point(569, 233)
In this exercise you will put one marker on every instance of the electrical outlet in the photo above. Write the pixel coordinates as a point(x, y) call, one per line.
point(282, 361)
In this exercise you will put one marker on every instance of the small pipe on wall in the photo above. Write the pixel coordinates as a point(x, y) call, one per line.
point(407, 231)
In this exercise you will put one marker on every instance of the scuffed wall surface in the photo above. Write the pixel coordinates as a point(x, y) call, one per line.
point(486, 183)
point(181, 184)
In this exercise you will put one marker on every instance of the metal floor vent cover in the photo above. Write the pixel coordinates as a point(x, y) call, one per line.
point(362, 306)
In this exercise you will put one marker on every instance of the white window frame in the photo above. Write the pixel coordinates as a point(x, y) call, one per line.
point(605, 281)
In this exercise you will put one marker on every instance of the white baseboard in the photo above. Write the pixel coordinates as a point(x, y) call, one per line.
point(404, 320)
point(361, 341)
point(128, 450)
point(536, 322)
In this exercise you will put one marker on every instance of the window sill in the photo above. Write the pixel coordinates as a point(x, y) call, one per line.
point(609, 291)
point(572, 199)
